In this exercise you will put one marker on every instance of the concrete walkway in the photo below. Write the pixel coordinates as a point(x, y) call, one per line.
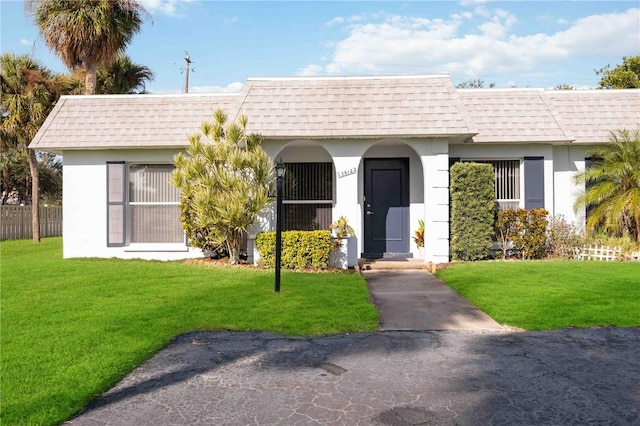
point(417, 300)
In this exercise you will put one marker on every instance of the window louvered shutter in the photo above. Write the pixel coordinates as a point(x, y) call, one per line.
point(116, 193)
point(533, 183)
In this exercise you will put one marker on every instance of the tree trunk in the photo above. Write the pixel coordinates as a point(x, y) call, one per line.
point(233, 245)
point(90, 78)
point(35, 198)
point(5, 185)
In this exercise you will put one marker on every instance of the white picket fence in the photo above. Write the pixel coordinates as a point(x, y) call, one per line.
point(608, 254)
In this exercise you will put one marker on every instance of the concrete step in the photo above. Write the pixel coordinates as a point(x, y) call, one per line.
point(391, 264)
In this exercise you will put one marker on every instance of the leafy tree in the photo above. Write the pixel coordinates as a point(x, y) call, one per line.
point(224, 184)
point(563, 87)
point(474, 84)
point(16, 176)
point(121, 76)
point(50, 166)
point(612, 194)
point(87, 33)
point(623, 76)
point(28, 93)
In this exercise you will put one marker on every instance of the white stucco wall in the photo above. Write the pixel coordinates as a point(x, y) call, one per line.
point(425, 183)
point(84, 208)
point(514, 152)
point(84, 186)
point(561, 163)
point(434, 157)
point(568, 161)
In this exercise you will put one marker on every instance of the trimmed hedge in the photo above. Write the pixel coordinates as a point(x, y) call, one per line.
point(472, 210)
point(300, 249)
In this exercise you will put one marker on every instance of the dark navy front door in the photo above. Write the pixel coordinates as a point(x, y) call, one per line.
point(386, 207)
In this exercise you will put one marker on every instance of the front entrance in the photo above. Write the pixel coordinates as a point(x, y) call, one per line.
point(386, 208)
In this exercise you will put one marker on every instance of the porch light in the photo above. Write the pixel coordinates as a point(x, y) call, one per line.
point(280, 170)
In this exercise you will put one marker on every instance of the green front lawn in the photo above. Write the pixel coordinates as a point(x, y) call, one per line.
point(543, 295)
point(72, 328)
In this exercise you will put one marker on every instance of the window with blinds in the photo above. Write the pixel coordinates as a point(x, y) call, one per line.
point(506, 182)
point(154, 205)
point(308, 196)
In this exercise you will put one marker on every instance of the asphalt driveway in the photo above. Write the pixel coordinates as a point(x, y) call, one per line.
point(455, 367)
point(559, 377)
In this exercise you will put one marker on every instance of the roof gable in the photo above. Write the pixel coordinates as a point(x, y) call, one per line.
point(511, 115)
point(347, 107)
point(125, 121)
point(590, 116)
point(344, 107)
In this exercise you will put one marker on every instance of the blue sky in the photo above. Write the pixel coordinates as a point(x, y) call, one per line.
point(528, 44)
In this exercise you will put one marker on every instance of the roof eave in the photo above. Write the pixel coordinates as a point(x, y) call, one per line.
point(370, 136)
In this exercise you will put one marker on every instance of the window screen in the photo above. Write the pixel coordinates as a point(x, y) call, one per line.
point(154, 205)
point(506, 182)
point(308, 196)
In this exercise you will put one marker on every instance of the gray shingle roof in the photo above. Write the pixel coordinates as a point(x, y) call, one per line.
point(589, 116)
point(344, 107)
point(511, 115)
point(536, 115)
point(125, 121)
point(403, 106)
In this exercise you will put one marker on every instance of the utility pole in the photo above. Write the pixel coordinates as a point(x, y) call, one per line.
point(186, 76)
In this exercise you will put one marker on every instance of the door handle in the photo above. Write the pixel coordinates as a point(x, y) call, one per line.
point(369, 212)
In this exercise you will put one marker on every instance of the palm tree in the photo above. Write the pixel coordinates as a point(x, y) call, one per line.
point(225, 183)
point(28, 92)
point(612, 192)
point(87, 33)
point(121, 76)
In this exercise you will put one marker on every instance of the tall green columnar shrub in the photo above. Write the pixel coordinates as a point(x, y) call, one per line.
point(472, 210)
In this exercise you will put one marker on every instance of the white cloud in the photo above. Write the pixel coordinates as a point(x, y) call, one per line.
point(498, 25)
point(403, 44)
point(353, 19)
point(335, 21)
point(167, 7)
point(25, 42)
point(615, 33)
point(229, 88)
point(310, 71)
point(472, 2)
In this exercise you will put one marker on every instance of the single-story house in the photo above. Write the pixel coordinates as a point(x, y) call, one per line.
point(374, 149)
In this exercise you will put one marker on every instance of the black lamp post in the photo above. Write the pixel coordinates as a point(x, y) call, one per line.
point(279, 177)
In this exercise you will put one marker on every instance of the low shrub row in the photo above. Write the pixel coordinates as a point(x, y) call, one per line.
point(300, 249)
